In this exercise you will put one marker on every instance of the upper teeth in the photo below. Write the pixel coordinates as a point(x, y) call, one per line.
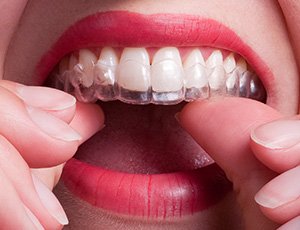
point(165, 79)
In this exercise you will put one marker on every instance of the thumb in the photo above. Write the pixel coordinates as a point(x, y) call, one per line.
point(222, 127)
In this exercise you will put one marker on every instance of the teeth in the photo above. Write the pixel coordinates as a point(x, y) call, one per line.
point(217, 80)
point(196, 81)
point(108, 57)
point(215, 59)
point(87, 59)
point(104, 74)
point(166, 81)
point(167, 76)
point(166, 71)
point(167, 53)
point(232, 83)
point(245, 84)
point(104, 70)
point(241, 65)
point(257, 91)
point(195, 57)
point(134, 75)
point(229, 63)
point(134, 69)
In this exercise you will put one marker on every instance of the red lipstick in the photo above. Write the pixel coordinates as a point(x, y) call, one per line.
point(159, 196)
point(127, 29)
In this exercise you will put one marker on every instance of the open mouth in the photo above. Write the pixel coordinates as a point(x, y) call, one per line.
point(143, 163)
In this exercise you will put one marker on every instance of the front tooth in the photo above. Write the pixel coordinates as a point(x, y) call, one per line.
point(196, 80)
point(166, 71)
point(215, 59)
point(87, 60)
point(167, 53)
point(229, 63)
point(167, 77)
point(134, 70)
point(195, 57)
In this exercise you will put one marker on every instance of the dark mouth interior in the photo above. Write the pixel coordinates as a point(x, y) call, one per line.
point(143, 139)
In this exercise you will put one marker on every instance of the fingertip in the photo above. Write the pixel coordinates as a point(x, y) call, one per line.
point(292, 224)
point(277, 143)
point(88, 120)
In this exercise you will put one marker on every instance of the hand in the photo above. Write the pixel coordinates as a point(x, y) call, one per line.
point(37, 130)
point(276, 144)
point(223, 128)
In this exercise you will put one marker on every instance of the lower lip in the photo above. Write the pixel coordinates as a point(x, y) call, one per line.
point(159, 196)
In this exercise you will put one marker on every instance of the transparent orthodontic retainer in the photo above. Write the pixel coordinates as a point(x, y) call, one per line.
point(196, 82)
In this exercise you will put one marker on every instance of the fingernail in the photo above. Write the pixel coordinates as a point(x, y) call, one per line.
point(267, 201)
point(277, 134)
point(281, 190)
point(52, 126)
point(33, 219)
point(45, 97)
point(50, 201)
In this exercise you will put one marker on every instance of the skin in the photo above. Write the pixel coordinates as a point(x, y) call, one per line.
point(40, 25)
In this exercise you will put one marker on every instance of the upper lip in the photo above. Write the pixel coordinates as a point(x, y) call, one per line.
point(123, 29)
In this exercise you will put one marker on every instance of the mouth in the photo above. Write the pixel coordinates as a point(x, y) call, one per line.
point(141, 70)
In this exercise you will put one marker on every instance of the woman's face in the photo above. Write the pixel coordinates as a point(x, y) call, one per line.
point(253, 29)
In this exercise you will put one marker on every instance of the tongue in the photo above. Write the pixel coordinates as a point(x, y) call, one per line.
point(143, 139)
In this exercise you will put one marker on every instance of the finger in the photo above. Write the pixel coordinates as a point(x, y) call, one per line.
point(222, 127)
point(42, 139)
point(13, 214)
point(37, 135)
point(88, 119)
point(93, 119)
point(36, 196)
point(281, 205)
point(49, 176)
point(292, 224)
point(277, 144)
point(53, 101)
